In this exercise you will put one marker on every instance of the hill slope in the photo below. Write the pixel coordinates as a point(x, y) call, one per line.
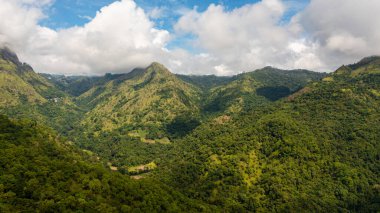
point(286, 141)
point(318, 150)
point(141, 99)
point(14, 89)
point(26, 94)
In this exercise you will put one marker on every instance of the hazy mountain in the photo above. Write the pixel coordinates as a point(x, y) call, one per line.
point(77, 85)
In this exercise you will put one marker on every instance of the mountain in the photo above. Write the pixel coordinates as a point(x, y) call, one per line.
point(143, 98)
point(77, 85)
point(73, 85)
point(26, 94)
point(264, 141)
point(255, 88)
point(131, 119)
point(317, 150)
point(366, 66)
point(14, 73)
point(14, 89)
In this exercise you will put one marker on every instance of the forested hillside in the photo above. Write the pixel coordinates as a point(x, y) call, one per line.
point(144, 99)
point(151, 141)
point(41, 172)
point(255, 89)
point(26, 94)
point(316, 150)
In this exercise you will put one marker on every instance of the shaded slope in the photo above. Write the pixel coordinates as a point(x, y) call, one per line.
point(77, 85)
point(259, 87)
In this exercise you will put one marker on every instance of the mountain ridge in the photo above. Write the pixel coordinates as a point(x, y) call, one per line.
point(137, 92)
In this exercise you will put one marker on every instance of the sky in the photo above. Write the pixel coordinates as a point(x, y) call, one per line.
point(221, 37)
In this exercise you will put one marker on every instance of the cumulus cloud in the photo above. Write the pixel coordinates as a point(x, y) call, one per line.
point(119, 38)
point(345, 30)
point(19, 20)
point(122, 36)
point(248, 37)
point(323, 36)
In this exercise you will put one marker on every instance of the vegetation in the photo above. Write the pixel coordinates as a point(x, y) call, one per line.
point(39, 171)
point(263, 141)
point(257, 88)
point(145, 99)
point(317, 150)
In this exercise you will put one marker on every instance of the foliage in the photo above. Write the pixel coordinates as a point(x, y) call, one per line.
point(39, 172)
point(253, 89)
point(317, 151)
point(264, 141)
point(149, 98)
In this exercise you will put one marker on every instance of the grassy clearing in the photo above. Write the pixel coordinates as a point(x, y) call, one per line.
point(142, 168)
point(142, 135)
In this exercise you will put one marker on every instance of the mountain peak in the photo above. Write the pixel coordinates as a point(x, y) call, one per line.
point(156, 64)
point(343, 70)
point(8, 55)
point(158, 68)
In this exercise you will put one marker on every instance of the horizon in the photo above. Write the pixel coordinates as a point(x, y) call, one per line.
point(185, 74)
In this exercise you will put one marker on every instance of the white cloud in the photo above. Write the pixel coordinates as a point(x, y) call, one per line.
point(246, 38)
point(34, 3)
point(323, 36)
point(122, 36)
point(346, 43)
point(18, 22)
point(223, 70)
point(157, 12)
point(345, 30)
point(119, 38)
